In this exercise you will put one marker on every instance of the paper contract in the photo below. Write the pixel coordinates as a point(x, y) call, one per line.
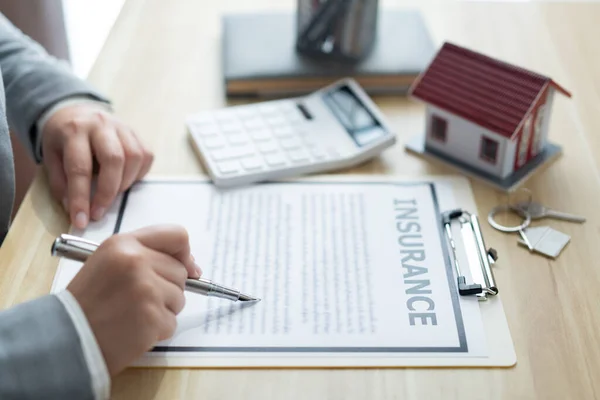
point(341, 267)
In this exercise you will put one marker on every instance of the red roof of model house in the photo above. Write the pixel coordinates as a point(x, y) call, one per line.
point(485, 91)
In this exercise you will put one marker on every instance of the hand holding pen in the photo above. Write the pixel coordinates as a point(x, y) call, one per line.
point(80, 249)
point(131, 289)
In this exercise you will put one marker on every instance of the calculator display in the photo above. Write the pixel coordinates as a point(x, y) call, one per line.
point(353, 115)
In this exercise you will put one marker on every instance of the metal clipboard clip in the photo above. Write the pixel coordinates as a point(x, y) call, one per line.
point(483, 281)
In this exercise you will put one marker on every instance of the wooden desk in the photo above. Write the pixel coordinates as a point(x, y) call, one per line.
point(161, 62)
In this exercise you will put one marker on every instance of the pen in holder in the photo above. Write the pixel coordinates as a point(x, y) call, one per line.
point(337, 30)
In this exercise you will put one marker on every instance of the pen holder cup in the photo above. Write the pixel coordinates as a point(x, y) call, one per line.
point(336, 30)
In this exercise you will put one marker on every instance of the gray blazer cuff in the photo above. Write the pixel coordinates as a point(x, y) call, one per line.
point(41, 354)
point(39, 97)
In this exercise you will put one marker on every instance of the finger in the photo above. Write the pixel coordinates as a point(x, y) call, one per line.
point(172, 240)
point(168, 326)
point(197, 266)
point(173, 297)
point(168, 268)
point(148, 157)
point(111, 158)
point(134, 157)
point(56, 177)
point(77, 159)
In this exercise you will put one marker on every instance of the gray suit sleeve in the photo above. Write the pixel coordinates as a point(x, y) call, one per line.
point(40, 353)
point(34, 81)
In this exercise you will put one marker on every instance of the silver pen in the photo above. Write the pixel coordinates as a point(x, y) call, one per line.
point(79, 249)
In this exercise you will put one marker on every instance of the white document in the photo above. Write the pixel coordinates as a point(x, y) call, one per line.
point(349, 272)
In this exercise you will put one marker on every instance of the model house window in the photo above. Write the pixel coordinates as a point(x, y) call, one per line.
point(439, 127)
point(489, 149)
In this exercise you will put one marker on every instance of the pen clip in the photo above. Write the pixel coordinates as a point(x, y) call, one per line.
point(70, 239)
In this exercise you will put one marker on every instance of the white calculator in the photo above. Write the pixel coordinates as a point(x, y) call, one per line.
point(335, 127)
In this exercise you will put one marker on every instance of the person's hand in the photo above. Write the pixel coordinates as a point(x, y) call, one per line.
point(72, 139)
point(131, 290)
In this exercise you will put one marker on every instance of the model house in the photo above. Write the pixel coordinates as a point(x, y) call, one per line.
point(482, 113)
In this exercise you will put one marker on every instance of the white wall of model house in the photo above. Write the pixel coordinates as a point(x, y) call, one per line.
point(509, 157)
point(463, 142)
point(543, 120)
point(536, 125)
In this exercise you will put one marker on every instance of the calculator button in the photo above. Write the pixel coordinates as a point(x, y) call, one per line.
point(233, 132)
point(237, 139)
point(214, 142)
point(301, 133)
point(298, 155)
point(317, 153)
point(282, 131)
point(246, 112)
point(275, 120)
point(308, 142)
point(295, 117)
point(267, 147)
point(228, 167)
point(230, 153)
point(231, 127)
point(333, 152)
point(254, 123)
point(275, 160)
point(224, 117)
point(260, 134)
point(290, 143)
point(251, 163)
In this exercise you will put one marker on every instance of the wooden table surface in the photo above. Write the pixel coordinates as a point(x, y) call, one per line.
point(162, 62)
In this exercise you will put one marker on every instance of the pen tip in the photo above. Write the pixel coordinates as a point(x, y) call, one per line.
point(245, 297)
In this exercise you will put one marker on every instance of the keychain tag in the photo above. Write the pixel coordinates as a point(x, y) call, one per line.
point(546, 240)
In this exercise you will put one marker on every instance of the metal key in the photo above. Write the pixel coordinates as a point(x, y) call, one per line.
point(538, 211)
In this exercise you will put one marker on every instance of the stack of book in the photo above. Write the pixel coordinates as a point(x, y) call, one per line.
point(260, 58)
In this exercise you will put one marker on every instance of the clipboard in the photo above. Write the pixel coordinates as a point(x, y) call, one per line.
point(451, 192)
point(478, 271)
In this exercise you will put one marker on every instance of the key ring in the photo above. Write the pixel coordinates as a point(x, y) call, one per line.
point(511, 229)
